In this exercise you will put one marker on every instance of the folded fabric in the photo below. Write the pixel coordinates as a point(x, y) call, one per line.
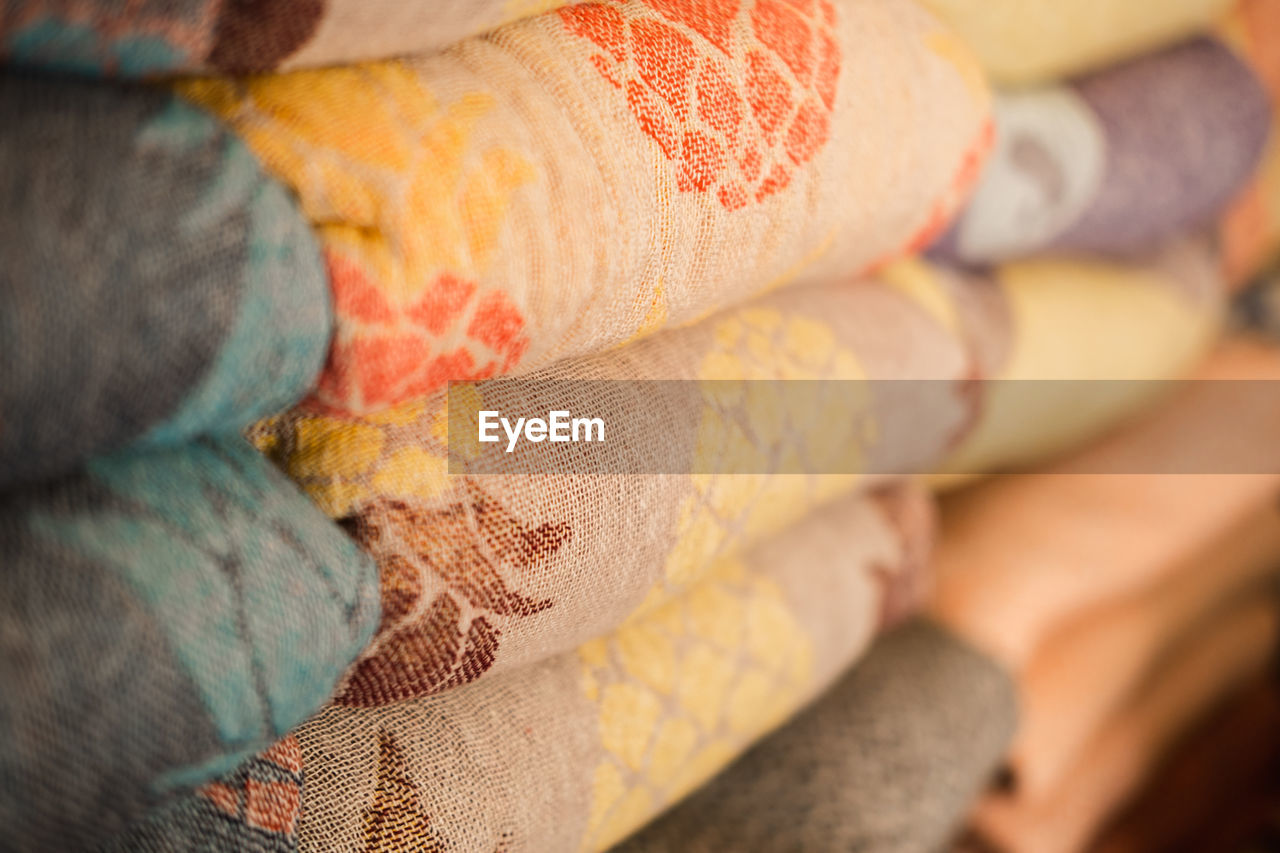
point(1033, 41)
point(1250, 231)
point(487, 572)
point(1122, 325)
point(1116, 161)
point(1022, 556)
point(1190, 803)
point(1205, 674)
point(124, 39)
point(1087, 671)
point(253, 809)
point(155, 285)
point(580, 750)
point(887, 760)
point(591, 175)
point(164, 615)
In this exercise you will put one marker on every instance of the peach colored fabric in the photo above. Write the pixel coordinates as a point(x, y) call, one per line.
point(1087, 670)
point(1023, 555)
point(1203, 674)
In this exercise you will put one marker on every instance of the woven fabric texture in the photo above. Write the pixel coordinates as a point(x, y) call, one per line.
point(725, 148)
point(610, 733)
point(166, 614)
point(488, 572)
point(156, 283)
point(887, 761)
point(253, 809)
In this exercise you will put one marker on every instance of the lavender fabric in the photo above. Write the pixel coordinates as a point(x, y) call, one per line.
point(1115, 161)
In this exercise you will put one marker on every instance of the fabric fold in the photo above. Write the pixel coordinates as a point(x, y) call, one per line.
point(156, 284)
point(1023, 555)
point(150, 39)
point(1117, 161)
point(165, 613)
point(889, 759)
point(485, 572)
point(1021, 42)
point(1217, 666)
point(611, 733)
point(591, 175)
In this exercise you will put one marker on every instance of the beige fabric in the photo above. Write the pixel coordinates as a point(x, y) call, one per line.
point(591, 175)
point(1029, 41)
point(488, 572)
point(576, 752)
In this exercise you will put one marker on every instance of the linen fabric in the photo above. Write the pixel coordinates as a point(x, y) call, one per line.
point(485, 572)
point(591, 175)
point(1087, 671)
point(156, 284)
point(1217, 666)
point(612, 732)
point(889, 759)
point(1117, 161)
point(131, 39)
point(166, 614)
point(1022, 42)
point(1021, 556)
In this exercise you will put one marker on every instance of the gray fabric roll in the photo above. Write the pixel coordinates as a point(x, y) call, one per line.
point(889, 760)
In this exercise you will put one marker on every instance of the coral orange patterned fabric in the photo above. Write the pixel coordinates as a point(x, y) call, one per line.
point(591, 175)
point(482, 573)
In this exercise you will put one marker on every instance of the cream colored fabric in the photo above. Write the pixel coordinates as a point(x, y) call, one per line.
point(1028, 41)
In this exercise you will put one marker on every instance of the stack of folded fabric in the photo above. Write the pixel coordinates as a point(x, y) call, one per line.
point(250, 602)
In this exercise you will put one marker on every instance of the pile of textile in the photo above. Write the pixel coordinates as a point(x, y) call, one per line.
point(262, 262)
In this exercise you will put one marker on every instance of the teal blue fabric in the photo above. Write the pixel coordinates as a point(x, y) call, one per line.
point(167, 613)
point(157, 284)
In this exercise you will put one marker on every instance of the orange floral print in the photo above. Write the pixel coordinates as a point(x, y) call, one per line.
point(679, 69)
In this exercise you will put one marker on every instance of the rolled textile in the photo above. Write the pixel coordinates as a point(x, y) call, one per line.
point(1250, 231)
point(165, 613)
point(121, 39)
point(1209, 671)
point(1085, 672)
point(1116, 161)
point(1230, 760)
point(889, 759)
point(1033, 41)
point(253, 809)
point(588, 176)
point(1021, 556)
point(485, 572)
point(156, 283)
point(580, 750)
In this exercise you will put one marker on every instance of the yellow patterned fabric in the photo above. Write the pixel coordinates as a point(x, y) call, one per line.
point(458, 196)
point(580, 750)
